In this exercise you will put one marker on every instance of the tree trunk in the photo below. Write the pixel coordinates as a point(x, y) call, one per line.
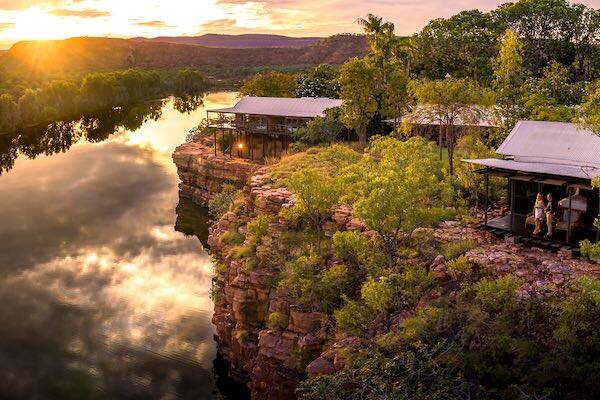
point(362, 135)
point(450, 147)
point(440, 142)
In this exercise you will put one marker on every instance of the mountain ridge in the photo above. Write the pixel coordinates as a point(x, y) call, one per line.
point(97, 53)
point(252, 40)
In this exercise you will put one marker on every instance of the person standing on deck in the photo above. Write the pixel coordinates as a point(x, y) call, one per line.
point(550, 215)
point(538, 213)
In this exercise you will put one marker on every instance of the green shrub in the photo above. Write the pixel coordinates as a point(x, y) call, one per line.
point(414, 283)
point(278, 321)
point(499, 294)
point(257, 228)
point(589, 249)
point(353, 317)
point(420, 325)
point(459, 269)
point(355, 248)
point(331, 286)
point(225, 142)
point(222, 201)
point(378, 294)
point(240, 252)
point(231, 237)
point(453, 250)
point(299, 277)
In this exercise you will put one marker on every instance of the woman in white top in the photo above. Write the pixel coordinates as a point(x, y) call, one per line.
point(538, 213)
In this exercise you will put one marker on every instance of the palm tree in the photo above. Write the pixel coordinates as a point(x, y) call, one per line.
point(381, 38)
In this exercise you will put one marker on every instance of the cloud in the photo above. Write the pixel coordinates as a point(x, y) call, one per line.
point(25, 4)
point(219, 24)
point(153, 24)
point(6, 25)
point(84, 13)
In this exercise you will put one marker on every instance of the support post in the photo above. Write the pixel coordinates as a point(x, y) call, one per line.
point(487, 197)
point(512, 204)
point(569, 217)
point(598, 227)
point(263, 146)
point(251, 147)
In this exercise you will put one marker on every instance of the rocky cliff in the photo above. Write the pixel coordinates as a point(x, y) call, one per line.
point(202, 173)
point(272, 341)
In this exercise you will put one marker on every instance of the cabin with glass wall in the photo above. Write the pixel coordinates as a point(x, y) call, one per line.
point(544, 158)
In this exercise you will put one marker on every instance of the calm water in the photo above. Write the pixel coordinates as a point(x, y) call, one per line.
point(104, 283)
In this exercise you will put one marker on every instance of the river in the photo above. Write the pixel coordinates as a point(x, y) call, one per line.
point(104, 281)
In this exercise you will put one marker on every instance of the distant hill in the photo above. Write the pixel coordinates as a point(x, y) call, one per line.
point(235, 41)
point(91, 54)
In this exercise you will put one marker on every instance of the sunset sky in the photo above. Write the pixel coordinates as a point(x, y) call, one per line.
point(57, 19)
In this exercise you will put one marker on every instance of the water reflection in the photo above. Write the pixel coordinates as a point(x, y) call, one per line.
point(100, 296)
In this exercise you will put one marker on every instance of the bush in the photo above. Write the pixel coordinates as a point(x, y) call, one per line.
point(225, 142)
point(353, 317)
point(241, 252)
point(222, 201)
point(379, 295)
point(499, 294)
point(278, 321)
point(459, 269)
point(414, 283)
point(333, 283)
point(589, 249)
point(453, 250)
point(257, 228)
point(356, 249)
point(230, 237)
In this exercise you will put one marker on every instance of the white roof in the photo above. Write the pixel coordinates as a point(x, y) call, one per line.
point(553, 148)
point(539, 168)
point(305, 107)
point(552, 142)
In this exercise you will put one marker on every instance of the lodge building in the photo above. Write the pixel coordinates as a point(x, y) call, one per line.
point(547, 157)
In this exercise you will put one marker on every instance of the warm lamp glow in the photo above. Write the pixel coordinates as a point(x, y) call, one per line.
point(241, 146)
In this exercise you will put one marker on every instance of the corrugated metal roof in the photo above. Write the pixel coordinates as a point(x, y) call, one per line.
point(539, 167)
point(552, 142)
point(305, 107)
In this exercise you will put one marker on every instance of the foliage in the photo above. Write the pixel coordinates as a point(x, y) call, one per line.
point(359, 92)
point(222, 201)
point(455, 249)
point(449, 101)
point(317, 194)
point(278, 321)
point(469, 181)
point(257, 228)
point(589, 249)
point(356, 249)
point(189, 81)
point(353, 317)
point(230, 237)
point(459, 269)
point(321, 129)
point(378, 294)
point(498, 294)
point(395, 189)
point(270, 84)
point(225, 142)
point(321, 81)
point(397, 97)
point(414, 283)
point(591, 107)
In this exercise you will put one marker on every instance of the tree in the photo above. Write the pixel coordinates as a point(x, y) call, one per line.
point(591, 107)
point(509, 76)
point(395, 189)
point(270, 84)
point(449, 102)
point(317, 194)
point(383, 41)
point(461, 46)
point(321, 129)
point(471, 147)
point(8, 113)
point(189, 81)
point(396, 94)
point(359, 92)
point(321, 81)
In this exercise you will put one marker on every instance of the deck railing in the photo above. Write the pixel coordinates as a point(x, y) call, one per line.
point(253, 127)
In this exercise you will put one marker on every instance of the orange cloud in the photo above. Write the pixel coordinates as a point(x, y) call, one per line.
point(86, 13)
point(153, 24)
